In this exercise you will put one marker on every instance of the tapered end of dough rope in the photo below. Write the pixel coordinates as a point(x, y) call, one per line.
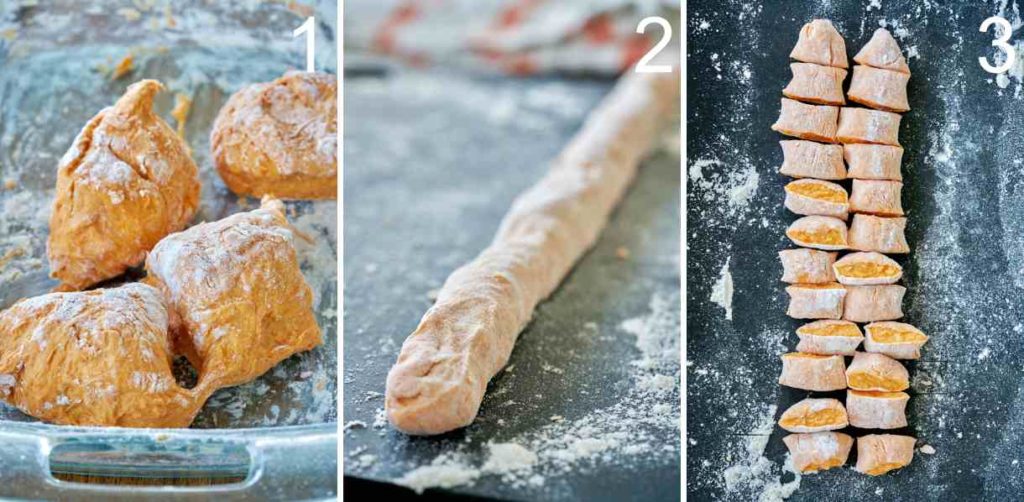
point(138, 97)
point(428, 392)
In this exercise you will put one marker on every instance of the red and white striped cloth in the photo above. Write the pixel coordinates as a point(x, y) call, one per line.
point(518, 37)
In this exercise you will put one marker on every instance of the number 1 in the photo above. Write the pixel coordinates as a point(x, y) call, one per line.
point(308, 28)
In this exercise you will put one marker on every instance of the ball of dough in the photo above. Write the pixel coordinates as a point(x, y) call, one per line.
point(238, 302)
point(280, 138)
point(98, 357)
point(126, 182)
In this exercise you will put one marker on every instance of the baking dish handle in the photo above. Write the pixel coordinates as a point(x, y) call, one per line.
point(290, 463)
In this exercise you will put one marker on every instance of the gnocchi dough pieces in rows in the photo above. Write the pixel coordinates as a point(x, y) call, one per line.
point(878, 233)
point(814, 415)
point(878, 454)
point(811, 122)
point(816, 301)
point(866, 268)
point(863, 125)
point(877, 410)
point(876, 372)
point(809, 159)
point(816, 197)
point(873, 162)
point(880, 89)
point(882, 52)
point(807, 266)
point(894, 339)
point(876, 197)
point(818, 451)
point(820, 43)
point(829, 337)
point(813, 372)
point(817, 84)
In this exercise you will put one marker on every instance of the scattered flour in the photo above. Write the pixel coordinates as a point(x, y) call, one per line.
point(755, 475)
point(721, 292)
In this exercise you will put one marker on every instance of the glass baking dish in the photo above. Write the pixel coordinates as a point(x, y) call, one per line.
point(275, 437)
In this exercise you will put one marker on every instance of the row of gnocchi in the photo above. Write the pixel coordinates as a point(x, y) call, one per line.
point(837, 143)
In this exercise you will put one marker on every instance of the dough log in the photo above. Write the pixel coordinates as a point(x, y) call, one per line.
point(438, 383)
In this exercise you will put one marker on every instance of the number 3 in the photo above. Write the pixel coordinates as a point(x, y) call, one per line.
point(1001, 43)
point(642, 66)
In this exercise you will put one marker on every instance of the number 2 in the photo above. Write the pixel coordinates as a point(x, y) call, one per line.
point(1001, 43)
point(307, 28)
point(643, 65)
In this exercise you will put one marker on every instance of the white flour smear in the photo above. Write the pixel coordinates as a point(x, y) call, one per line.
point(642, 425)
point(721, 292)
point(754, 476)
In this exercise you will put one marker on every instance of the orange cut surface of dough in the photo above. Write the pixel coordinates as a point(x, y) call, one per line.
point(805, 355)
point(868, 380)
point(829, 236)
point(884, 468)
point(831, 330)
point(877, 394)
point(828, 416)
point(817, 191)
point(825, 465)
point(895, 335)
point(863, 270)
point(821, 286)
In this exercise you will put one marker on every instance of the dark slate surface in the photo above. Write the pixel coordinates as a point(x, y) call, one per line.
point(962, 172)
point(432, 162)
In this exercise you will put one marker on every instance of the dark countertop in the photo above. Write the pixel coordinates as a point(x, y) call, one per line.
point(962, 193)
point(433, 161)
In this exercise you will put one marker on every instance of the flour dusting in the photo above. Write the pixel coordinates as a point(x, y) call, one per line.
point(721, 292)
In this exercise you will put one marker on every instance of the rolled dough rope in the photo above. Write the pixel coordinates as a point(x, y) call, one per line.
point(438, 383)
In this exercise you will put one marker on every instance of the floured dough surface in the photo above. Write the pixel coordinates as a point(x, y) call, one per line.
point(99, 357)
point(280, 138)
point(238, 302)
point(126, 182)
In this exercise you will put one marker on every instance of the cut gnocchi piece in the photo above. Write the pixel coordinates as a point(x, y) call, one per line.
point(807, 266)
point(883, 52)
point(880, 89)
point(873, 303)
point(877, 410)
point(866, 268)
point(879, 234)
point(816, 301)
point(813, 372)
point(820, 43)
point(818, 451)
point(817, 197)
point(873, 162)
point(814, 415)
point(829, 337)
point(817, 84)
point(813, 122)
point(878, 454)
point(876, 372)
point(808, 159)
point(863, 125)
point(897, 340)
point(878, 197)
point(819, 232)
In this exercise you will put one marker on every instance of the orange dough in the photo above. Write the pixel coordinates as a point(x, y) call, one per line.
point(879, 89)
point(873, 162)
point(863, 125)
point(814, 83)
point(811, 122)
point(820, 43)
point(807, 159)
point(280, 138)
point(97, 357)
point(126, 182)
point(238, 302)
point(883, 52)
